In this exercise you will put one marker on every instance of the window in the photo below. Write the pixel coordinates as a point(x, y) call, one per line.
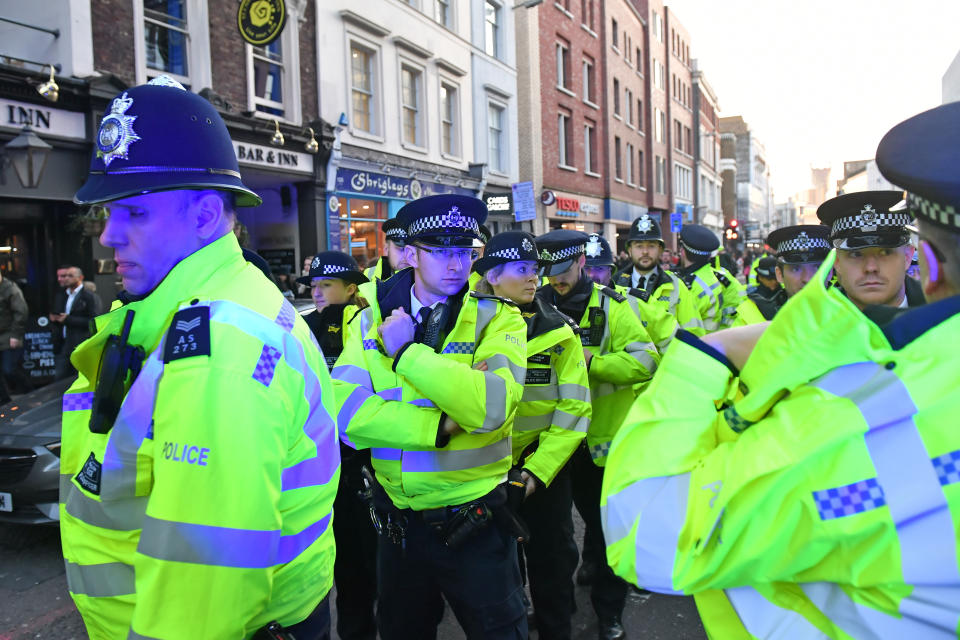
point(614, 34)
point(586, 14)
point(443, 13)
point(449, 112)
point(495, 146)
point(563, 65)
point(588, 80)
point(639, 60)
point(658, 75)
point(661, 175)
point(616, 97)
point(641, 169)
point(626, 48)
point(658, 26)
point(564, 142)
point(639, 115)
point(659, 124)
point(491, 41)
point(167, 38)
point(411, 90)
point(688, 140)
point(362, 83)
point(589, 148)
point(629, 164)
point(677, 135)
point(268, 78)
point(682, 176)
point(618, 160)
point(628, 103)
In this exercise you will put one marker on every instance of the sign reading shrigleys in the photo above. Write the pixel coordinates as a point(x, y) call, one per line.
point(261, 21)
point(381, 184)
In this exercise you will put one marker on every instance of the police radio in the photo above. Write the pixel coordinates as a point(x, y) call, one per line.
point(118, 362)
point(597, 320)
point(436, 322)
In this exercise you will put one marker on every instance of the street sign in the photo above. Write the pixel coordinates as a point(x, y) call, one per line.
point(676, 222)
point(524, 204)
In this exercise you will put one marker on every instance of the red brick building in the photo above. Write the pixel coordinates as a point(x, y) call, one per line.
point(681, 116)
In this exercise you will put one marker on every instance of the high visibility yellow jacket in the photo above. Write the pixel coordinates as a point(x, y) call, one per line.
point(748, 313)
point(825, 502)
point(752, 276)
point(659, 324)
point(672, 295)
point(555, 408)
point(206, 510)
point(732, 294)
point(624, 359)
point(379, 270)
point(708, 296)
point(395, 406)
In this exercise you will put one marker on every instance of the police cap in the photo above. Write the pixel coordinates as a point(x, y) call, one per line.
point(395, 232)
point(558, 249)
point(445, 220)
point(334, 264)
point(800, 243)
point(645, 228)
point(866, 219)
point(698, 240)
point(767, 267)
point(508, 246)
point(921, 155)
point(160, 137)
point(598, 251)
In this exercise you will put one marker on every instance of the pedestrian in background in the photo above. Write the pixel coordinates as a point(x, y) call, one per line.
point(73, 309)
point(13, 322)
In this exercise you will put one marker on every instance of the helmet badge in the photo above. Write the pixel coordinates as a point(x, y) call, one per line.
point(526, 245)
point(116, 132)
point(593, 246)
point(644, 224)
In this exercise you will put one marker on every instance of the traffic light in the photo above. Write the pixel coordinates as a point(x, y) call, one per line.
point(733, 231)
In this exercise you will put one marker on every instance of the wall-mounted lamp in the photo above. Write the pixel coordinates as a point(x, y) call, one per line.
point(49, 89)
point(311, 146)
point(277, 139)
point(28, 155)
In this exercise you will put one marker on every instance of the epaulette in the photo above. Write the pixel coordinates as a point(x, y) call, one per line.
point(639, 293)
point(724, 280)
point(490, 296)
point(688, 280)
point(613, 293)
point(570, 321)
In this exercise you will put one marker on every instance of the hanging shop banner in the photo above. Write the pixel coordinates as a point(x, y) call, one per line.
point(261, 21)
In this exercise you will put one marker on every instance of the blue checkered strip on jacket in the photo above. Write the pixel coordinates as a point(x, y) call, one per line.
point(849, 499)
point(737, 422)
point(947, 467)
point(286, 316)
point(600, 450)
point(370, 344)
point(458, 347)
point(558, 349)
point(77, 401)
point(873, 221)
point(266, 365)
point(936, 211)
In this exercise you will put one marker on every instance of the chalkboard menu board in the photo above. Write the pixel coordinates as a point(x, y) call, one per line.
point(280, 260)
point(38, 357)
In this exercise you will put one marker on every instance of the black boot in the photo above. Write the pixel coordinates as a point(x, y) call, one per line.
point(611, 629)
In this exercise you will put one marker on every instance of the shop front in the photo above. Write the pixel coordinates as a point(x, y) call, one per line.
point(573, 211)
point(501, 215)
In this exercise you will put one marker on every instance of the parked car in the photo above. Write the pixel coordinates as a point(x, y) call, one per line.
point(30, 451)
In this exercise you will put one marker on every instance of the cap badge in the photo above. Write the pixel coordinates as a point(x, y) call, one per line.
point(593, 246)
point(116, 132)
point(526, 245)
point(644, 223)
point(803, 240)
point(454, 218)
point(545, 256)
point(316, 263)
point(167, 81)
point(869, 214)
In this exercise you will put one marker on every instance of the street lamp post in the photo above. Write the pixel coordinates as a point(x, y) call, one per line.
point(28, 155)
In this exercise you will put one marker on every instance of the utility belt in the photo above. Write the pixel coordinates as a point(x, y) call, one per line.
point(454, 524)
point(316, 622)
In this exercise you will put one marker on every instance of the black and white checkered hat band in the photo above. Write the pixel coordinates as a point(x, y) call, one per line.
point(937, 212)
point(396, 234)
point(444, 224)
point(510, 253)
point(870, 222)
point(334, 268)
point(567, 252)
point(698, 252)
point(803, 244)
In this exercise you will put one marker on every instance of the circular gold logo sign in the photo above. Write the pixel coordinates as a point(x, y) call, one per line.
point(261, 21)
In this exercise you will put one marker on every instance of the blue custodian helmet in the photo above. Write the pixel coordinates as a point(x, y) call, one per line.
point(161, 137)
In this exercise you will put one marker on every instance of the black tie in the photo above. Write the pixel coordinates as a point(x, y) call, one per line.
point(421, 324)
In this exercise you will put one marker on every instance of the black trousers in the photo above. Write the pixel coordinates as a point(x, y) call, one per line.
point(609, 592)
point(480, 580)
point(317, 624)
point(355, 569)
point(551, 556)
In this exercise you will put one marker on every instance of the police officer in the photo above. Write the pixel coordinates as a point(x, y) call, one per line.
point(656, 320)
point(551, 422)
point(645, 246)
point(827, 511)
point(873, 248)
point(620, 359)
point(764, 300)
point(800, 251)
point(697, 244)
point(433, 398)
point(333, 279)
point(392, 259)
point(199, 460)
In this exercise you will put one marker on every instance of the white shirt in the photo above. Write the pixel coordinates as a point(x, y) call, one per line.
point(71, 296)
point(416, 305)
point(640, 280)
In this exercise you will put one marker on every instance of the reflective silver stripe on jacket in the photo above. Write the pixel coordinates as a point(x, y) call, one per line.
point(101, 580)
point(455, 460)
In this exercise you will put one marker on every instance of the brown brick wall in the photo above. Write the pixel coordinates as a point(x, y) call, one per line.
point(228, 64)
point(657, 99)
point(113, 47)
